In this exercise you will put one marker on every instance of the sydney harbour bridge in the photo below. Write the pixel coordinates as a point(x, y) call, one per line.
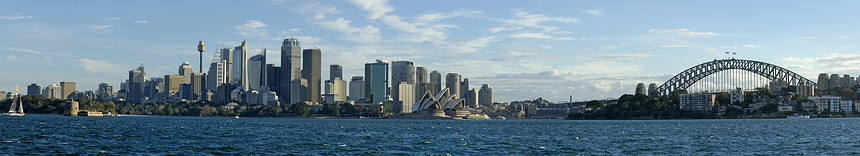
point(729, 74)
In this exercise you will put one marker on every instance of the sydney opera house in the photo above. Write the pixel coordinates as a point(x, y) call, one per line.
point(441, 106)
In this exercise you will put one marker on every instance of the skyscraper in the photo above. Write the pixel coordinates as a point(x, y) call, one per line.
point(137, 79)
point(52, 91)
point(105, 91)
point(485, 96)
point(240, 66)
point(471, 98)
point(436, 81)
point(464, 87)
point(356, 88)
point(298, 90)
point(67, 89)
point(291, 52)
point(33, 89)
point(196, 85)
point(311, 70)
point(402, 72)
point(420, 75)
point(227, 57)
point(171, 84)
point(335, 90)
point(376, 81)
point(217, 75)
point(452, 82)
point(185, 70)
point(640, 88)
point(406, 94)
point(335, 71)
point(273, 78)
point(257, 70)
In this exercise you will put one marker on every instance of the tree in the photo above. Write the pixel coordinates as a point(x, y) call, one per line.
point(300, 109)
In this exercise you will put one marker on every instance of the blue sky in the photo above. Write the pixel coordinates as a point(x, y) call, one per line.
point(523, 49)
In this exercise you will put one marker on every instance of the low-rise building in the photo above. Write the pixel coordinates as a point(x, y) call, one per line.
point(697, 102)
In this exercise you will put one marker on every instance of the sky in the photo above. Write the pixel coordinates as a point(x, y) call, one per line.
point(523, 49)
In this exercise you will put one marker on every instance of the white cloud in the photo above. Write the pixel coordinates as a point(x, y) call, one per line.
point(525, 19)
point(471, 46)
point(15, 17)
point(100, 29)
point(23, 50)
point(539, 36)
point(610, 47)
point(753, 46)
point(676, 46)
point(623, 56)
point(318, 10)
point(366, 34)
point(681, 32)
point(377, 8)
point(141, 21)
point(99, 66)
point(252, 28)
point(594, 39)
point(593, 12)
point(433, 17)
point(111, 19)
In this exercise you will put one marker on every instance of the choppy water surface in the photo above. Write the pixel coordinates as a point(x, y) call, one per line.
point(48, 134)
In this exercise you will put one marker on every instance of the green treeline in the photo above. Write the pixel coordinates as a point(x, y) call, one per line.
point(41, 105)
point(640, 107)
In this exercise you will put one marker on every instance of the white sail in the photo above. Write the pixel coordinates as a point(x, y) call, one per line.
point(20, 105)
point(14, 105)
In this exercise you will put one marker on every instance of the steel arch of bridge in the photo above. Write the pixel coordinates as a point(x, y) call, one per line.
point(692, 75)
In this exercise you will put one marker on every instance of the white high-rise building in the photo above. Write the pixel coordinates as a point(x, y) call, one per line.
point(485, 95)
point(298, 90)
point(217, 75)
point(335, 91)
point(185, 70)
point(356, 88)
point(452, 81)
point(52, 91)
point(406, 92)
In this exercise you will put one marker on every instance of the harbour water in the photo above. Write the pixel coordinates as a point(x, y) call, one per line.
point(51, 134)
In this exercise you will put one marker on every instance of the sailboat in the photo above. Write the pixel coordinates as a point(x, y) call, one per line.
point(17, 108)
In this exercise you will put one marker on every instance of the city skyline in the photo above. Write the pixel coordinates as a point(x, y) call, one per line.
point(524, 49)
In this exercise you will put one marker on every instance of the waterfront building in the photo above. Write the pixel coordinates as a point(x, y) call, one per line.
point(697, 102)
point(257, 71)
point(291, 52)
point(298, 90)
point(737, 96)
point(421, 75)
point(185, 70)
point(335, 72)
point(52, 91)
point(335, 90)
point(436, 81)
point(105, 91)
point(402, 71)
point(640, 89)
point(452, 82)
point(33, 89)
point(485, 96)
point(311, 70)
point(185, 91)
point(826, 103)
point(67, 89)
point(406, 92)
point(356, 88)
point(376, 81)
